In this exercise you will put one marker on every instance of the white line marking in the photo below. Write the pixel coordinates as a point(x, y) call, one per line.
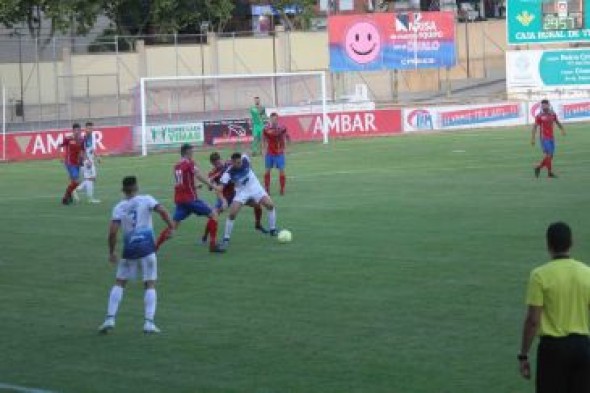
point(459, 151)
point(23, 389)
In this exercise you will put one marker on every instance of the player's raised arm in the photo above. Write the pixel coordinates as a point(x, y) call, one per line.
point(113, 231)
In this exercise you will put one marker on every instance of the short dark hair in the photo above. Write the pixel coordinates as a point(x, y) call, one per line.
point(256, 98)
point(214, 156)
point(559, 237)
point(184, 148)
point(236, 156)
point(545, 101)
point(89, 124)
point(76, 126)
point(274, 114)
point(129, 181)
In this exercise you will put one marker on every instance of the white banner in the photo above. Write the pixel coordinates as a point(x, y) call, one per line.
point(464, 116)
point(175, 134)
point(539, 71)
point(568, 111)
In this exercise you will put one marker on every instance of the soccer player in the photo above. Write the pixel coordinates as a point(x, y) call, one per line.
point(74, 146)
point(133, 215)
point(229, 191)
point(89, 166)
point(544, 121)
point(248, 188)
point(187, 201)
point(275, 140)
point(258, 115)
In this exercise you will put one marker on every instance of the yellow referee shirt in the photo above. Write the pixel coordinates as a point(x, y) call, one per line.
point(562, 288)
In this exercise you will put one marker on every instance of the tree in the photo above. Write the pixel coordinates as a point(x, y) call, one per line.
point(43, 18)
point(133, 17)
point(301, 19)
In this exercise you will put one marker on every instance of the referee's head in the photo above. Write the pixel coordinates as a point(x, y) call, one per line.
point(559, 238)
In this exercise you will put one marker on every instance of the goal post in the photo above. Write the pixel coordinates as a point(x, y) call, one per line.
point(3, 120)
point(184, 109)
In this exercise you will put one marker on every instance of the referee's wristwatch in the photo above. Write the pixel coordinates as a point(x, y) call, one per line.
point(522, 358)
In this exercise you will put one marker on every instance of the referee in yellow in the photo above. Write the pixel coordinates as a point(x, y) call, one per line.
point(558, 299)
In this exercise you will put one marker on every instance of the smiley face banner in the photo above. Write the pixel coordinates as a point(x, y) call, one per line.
point(397, 41)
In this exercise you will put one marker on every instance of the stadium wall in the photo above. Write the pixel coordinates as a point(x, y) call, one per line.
point(100, 86)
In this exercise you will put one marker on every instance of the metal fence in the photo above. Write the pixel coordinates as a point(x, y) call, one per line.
point(52, 82)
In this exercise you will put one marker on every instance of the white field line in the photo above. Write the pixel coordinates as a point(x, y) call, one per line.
point(22, 389)
point(463, 165)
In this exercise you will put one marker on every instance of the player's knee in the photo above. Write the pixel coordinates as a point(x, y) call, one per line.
point(149, 284)
point(121, 283)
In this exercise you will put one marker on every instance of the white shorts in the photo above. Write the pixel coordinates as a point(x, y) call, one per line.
point(89, 172)
point(127, 268)
point(253, 192)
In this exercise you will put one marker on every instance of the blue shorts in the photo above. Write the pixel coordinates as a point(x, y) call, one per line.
point(73, 171)
point(198, 207)
point(548, 146)
point(275, 161)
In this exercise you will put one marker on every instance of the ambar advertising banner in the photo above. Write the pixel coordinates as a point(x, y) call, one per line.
point(547, 21)
point(391, 41)
point(548, 70)
point(175, 134)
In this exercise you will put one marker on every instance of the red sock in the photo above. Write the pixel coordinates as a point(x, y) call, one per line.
point(212, 227)
point(283, 181)
point(257, 215)
point(549, 164)
point(71, 187)
point(163, 237)
point(267, 181)
point(543, 163)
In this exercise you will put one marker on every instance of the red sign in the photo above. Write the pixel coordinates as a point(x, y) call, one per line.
point(307, 127)
point(42, 145)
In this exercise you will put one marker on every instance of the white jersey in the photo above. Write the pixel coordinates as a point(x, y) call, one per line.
point(135, 217)
point(247, 185)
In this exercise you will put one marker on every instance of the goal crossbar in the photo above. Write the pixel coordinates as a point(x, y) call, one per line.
point(144, 82)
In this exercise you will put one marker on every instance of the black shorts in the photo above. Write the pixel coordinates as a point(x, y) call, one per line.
point(563, 364)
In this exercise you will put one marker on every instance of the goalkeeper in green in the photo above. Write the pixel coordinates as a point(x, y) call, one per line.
point(258, 115)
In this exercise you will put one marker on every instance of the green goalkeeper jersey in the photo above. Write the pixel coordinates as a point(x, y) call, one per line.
point(258, 115)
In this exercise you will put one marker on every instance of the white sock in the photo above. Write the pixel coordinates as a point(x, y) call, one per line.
point(114, 300)
point(229, 227)
point(89, 189)
point(81, 186)
point(150, 301)
point(272, 219)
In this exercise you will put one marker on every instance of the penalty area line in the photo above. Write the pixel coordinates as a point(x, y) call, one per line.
point(22, 389)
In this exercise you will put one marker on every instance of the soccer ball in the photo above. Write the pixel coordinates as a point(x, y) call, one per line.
point(285, 236)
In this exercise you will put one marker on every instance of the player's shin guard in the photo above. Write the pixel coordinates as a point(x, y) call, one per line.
point(164, 235)
point(257, 216)
point(114, 300)
point(283, 181)
point(267, 181)
point(150, 302)
point(549, 164)
point(272, 219)
point(229, 227)
point(212, 230)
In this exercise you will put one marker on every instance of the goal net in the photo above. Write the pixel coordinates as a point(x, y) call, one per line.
point(215, 110)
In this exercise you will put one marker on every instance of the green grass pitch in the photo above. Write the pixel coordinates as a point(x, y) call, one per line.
point(406, 275)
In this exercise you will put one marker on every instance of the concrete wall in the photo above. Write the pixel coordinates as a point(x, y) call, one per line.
point(90, 82)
